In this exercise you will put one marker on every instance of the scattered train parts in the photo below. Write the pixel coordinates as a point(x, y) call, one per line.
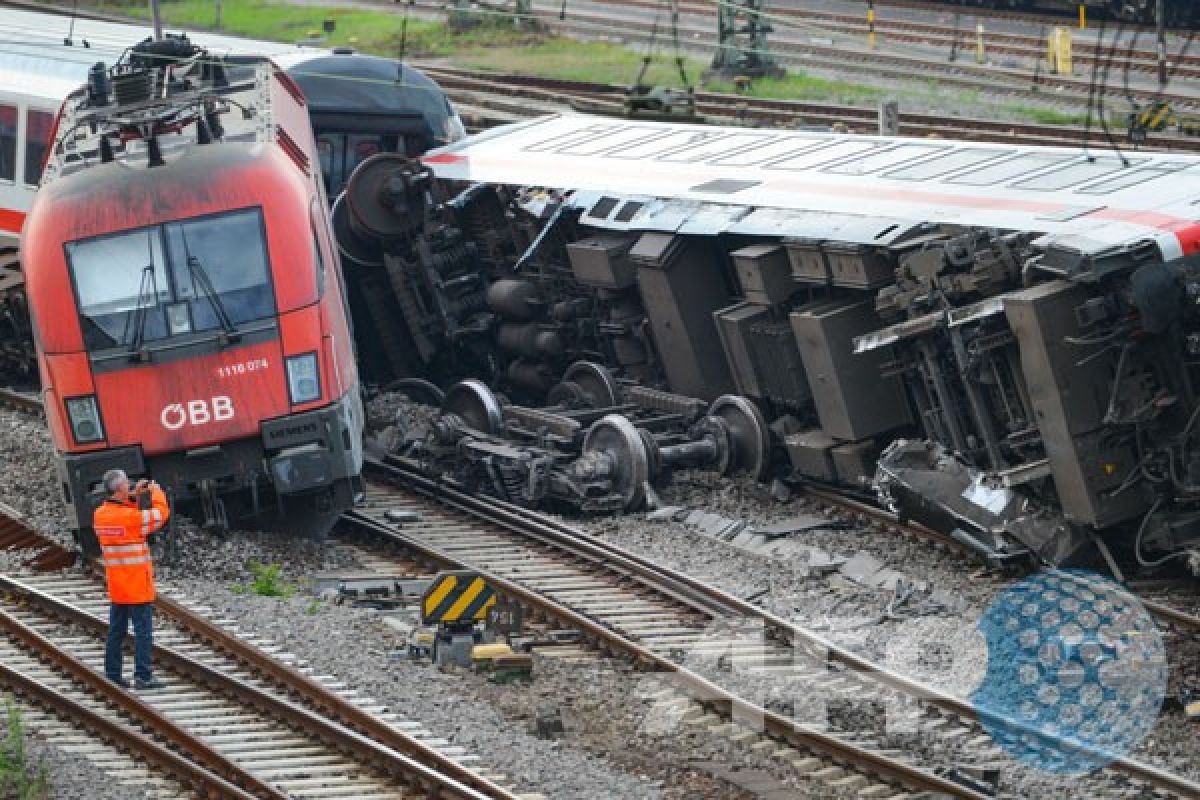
point(597, 449)
point(999, 341)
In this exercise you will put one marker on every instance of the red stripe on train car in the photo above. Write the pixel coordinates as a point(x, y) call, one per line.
point(444, 158)
point(11, 220)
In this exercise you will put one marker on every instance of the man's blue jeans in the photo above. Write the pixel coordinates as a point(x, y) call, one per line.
point(119, 617)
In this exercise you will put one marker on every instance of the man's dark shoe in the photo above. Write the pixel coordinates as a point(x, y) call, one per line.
point(153, 683)
point(124, 684)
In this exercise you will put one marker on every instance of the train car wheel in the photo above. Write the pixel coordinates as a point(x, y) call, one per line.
point(748, 432)
point(596, 382)
point(474, 402)
point(615, 436)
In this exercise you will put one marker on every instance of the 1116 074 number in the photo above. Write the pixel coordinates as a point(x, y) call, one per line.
point(232, 370)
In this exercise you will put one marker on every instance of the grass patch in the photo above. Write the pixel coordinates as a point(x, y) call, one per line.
point(19, 778)
point(267, 581)
point(1051, 116)
point(798, 86)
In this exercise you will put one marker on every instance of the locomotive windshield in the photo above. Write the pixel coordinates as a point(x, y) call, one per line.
point(171, 280)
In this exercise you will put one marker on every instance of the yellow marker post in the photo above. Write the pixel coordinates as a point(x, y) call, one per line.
point(980, 54)
point(1064, 51)
point(1082, 17)
point(871, 25)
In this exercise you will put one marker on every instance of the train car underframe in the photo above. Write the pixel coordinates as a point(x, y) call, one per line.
point(298, 475)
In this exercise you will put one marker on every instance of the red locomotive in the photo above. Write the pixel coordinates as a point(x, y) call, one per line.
point(188, 302)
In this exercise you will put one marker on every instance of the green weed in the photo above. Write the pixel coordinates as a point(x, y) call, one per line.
point(268, 581)
point(20, 779)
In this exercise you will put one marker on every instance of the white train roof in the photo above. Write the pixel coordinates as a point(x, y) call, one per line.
point(666, 176)
point(36, 61)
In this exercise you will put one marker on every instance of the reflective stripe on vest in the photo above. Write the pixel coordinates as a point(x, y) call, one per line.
point(114, 555)
point(126, 562)
point(151, 520)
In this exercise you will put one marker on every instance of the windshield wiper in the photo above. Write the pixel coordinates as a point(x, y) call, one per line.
point(139, 312)
point(201, 279)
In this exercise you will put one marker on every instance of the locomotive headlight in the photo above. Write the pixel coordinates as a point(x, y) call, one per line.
point(84, 415)
point(304, 385)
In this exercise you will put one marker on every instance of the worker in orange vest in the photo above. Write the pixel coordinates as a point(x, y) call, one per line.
point(122, 523)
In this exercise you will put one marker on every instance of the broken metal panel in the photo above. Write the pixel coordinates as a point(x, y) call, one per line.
point(1071, 397)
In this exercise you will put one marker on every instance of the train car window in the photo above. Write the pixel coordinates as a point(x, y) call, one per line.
point(8, 143)
point(954, 161)
point(325, 155)
point(1077, 173)
point(114, 277)
point(1005, 171)
point(1133, 177)
point(222, 255)
point(359, 149)
point(37, 139)
point(183, 277)
point(876, 161)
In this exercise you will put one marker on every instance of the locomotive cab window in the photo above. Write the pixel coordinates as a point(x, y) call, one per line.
point(192, 276)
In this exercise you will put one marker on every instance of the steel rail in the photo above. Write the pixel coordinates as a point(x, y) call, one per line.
point(705, 691)
point(207, 783)
point(363, 747)
point(208, 759)
point(888, 518)
point(456, 80)
point(329, 703)
point(523, 521)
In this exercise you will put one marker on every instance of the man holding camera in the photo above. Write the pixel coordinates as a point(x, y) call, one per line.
point(122, 523)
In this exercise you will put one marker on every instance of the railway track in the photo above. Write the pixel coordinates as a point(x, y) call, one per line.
point(244, 719)
point(1153, 598)
point(901, 63)
point(626, 605)
point(511, 94)
point(1136, 52)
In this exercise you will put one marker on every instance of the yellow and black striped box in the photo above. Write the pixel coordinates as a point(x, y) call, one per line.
point(457, 596)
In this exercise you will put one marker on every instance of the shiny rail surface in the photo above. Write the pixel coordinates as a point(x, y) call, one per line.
point(236, 710)
point(513, 546)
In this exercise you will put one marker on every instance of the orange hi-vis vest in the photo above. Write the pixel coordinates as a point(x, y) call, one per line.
point(121, 529)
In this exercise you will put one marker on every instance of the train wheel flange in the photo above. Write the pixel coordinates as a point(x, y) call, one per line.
point(418, 390)
point(748, 433)
point(474, 402)
point(654, 460)
point(596, 382)
point(615, 436)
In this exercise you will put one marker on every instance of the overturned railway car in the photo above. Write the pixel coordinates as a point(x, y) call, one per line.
point(1001, 341)
point(187, 301)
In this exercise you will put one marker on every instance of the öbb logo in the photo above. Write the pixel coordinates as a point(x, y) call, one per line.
point(196, 412)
